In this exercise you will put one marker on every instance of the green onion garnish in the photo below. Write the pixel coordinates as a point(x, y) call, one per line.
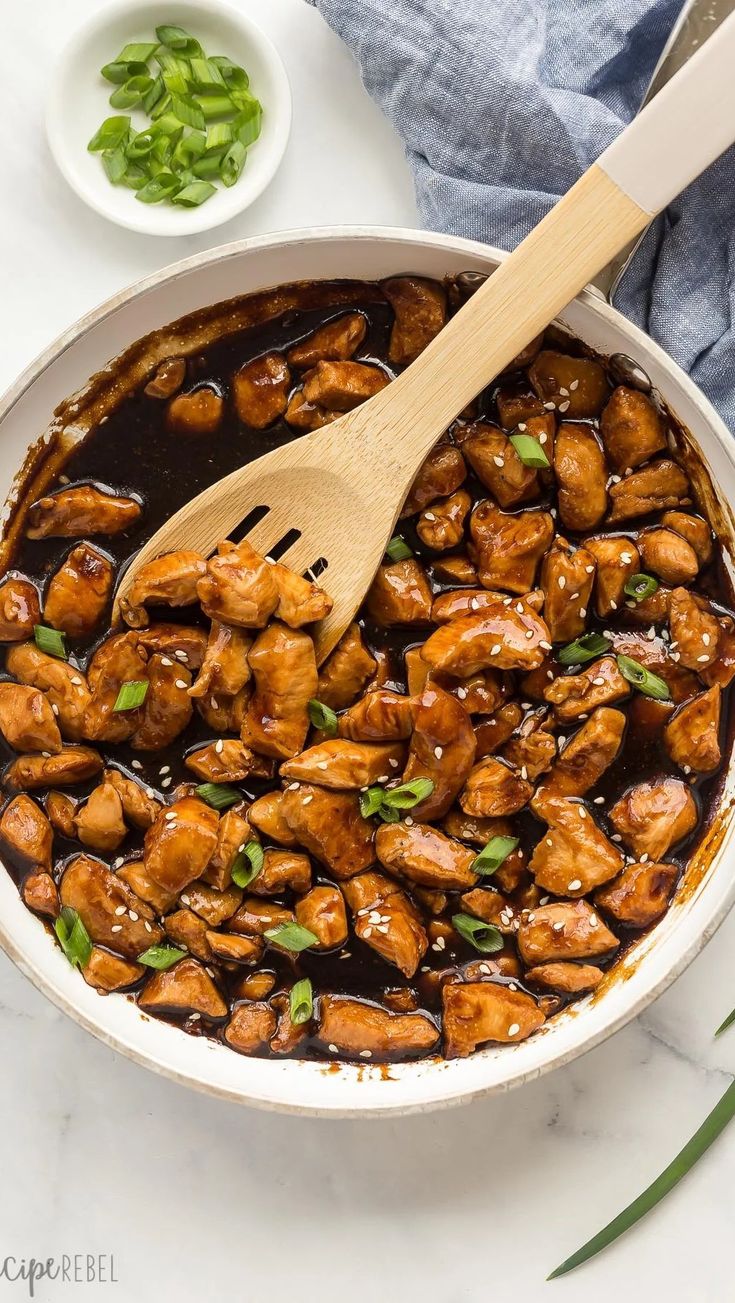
point(291, 936)
point(131, 695)
point(113, 132)
point(233, 163)
point(492, 856)
point(583, 649)
point(163, 186)
point(131, 93)
point(248, 123)
point(185, 108)
point(177, 39)
point(483, 936)
point(640, 587)
point(119, 71)
point(248, 864)
point(206, 75)
point(218, 795)
point(161, 956)
point(322, 717)
point(74, 938)
point(530, 451)
point(137, 52)
point(195, 194)
point(727, 1023)
point(398, 550)
point(50, 641)
point(215, 106)
point(301, 1001)
point(642, 679)
point(371, 801)
point(140, 146)
point(387, 802)
point(115, 164)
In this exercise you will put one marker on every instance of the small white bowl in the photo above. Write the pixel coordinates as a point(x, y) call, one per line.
point(79, 101)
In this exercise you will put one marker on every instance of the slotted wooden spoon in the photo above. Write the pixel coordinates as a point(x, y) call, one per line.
point(342, 486)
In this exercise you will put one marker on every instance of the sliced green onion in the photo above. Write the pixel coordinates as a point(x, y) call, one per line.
point(154, 95)
point(492, 856)
point(175, 74)
point(113, 132)
point(137, 52)
point(195, 194)
point(166, 125)
point(188, 149)
point(161, 956)
point(177, 39)
point(642, 679)
point(219, 136)
point(115, 164)
point(163, 148)
point(246, 126)
point(301, 1002)
point(131, 695)
point(233, 163)
point(119, 72)
point(371, 801)
point(398, 549)
point(291, 936)
point(641, 586)
point(205, 75)
point(161, 186)
point(530, 451)
point(714, 1123)
point(583, 649)
point(134, 179)
point(140, 145)
point(218, 795)
point(322, 717)
point(409, 794)
point(727, 1023)
point(162, 107)
point(50, 641)
point(185, 108)
point(233, 74)
point(127, 96)
point(248, 864)
point(209, 167)
point(483, 936)
point(73, 936)
point(214, 106)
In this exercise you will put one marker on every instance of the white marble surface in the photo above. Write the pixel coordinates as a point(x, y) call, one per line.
point(200, 1199)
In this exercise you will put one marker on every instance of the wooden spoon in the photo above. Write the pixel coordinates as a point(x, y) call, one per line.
point(342, 486)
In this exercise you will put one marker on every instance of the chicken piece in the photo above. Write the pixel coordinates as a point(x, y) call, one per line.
point(631, 428)
point(477, 1012)
point(498, 466)
point(235, 949)
point(494, 789)
point(532, 753)
point(181, 642)
point(617, 560)
point(239, 587)
point(329, 825)
point(508, 548)
point(284, 665)
point(73, 764)
point(567, 577)
point(61, 810)
point(359, 1030)
point(500, 638)
point(260, 390)
point(81, 510)
point(695, 530)
point(491, 733)
point(255, 986)
point(19, 610)
point(322, 912)
point(99, 822)
point(380, 716)
point(346, 672)
point(400, 594)
point(517, 404)
point(655, 487)
point(215, 907)
point(653, 816)
point(453, 570)
point(340, 386)
point(692, 734)
point(722, 670)
point(226, 761)
point(64, 685)
point(251, 1027)
point(655, 655)
point(640, 895)
point(300, 601)
point(576, 385)
point(420, 308)
point(568, 979)
point(442, 749)
point(336, 341)
point(78, 593)
point(225, 667)
point(40, 893)
point(307, 416)
point(256, 917)
point(441, 473)
point(116, 661)
point(180, 844)
point(425, 856)
point(168, 580)
point(344, 765)
point(492, 907)
point(189, 932)
point(112, 914)
point(598, 684)
point(169, 377)
point(26, 829)
point(27, 721)
point(694, 630)
point(386, 920)
point(133, 873)
point(561, 931)
point(108, 972)
point(167, 709)
point(266, 814)
point(574, 855)
point(196, 413)
point(187, 987)
point(224, 714)
point(461, 602)
point(441, 525)
point(481, 694)
point(668, 555)
point(233, 834)
point(588, 754)
point(140, 809)
point(282, 870)
point(288, 1035)
point(581, 476)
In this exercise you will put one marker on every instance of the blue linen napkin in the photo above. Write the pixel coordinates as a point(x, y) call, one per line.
point(501, 104)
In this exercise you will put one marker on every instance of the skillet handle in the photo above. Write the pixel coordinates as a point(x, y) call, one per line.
point(684, 128)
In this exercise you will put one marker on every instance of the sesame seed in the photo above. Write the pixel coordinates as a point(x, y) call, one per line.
point(498, 461)
point(530, 917)
point(166, 660)
point(514, 1029)
point(561, 581)
point(181, 656)
point(522, 426)
point(564, 407)
point(524, 772)
point(626, 558)
point(529, 633)
point(542, 437)
point(593, 920)
point(582, 611)
point(644, 858)
point(564, 393)
point(520, 608)
point(574, 385)
point(703, 658)
point(271, 560)
point(136, 764)
point(366, 1054)
point(558, 927)
point(169, 815)
point(599, 800)
point(599, 682)
point(574, 885)
point(474, 604)
point(589, 570)
point(307, 799)
point(134, 916)
point(687, 769)
point(706, 639)
point(322, 764)
point(150, 793)
point(121, 909)
point(165, 769)
point(292, 787)
point(46, 755)
point(582, 812)
point(438, 752)
point(75, 679)
point(368, 932)
point(613, 605)
point(485, 969)
point(544, 900)
point(550, 407)
point(55, 708)
point(118, 863)
point(429, 515)
point(494, 650)
point(546, 645)
point(616, 837)
point(394, 763)
point(549, 842)
point(333, 1048)
point(179, 683)
point(116, 927)
point(147, 925)
point(408, 821)
point(461, 693)
point(573, 597)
